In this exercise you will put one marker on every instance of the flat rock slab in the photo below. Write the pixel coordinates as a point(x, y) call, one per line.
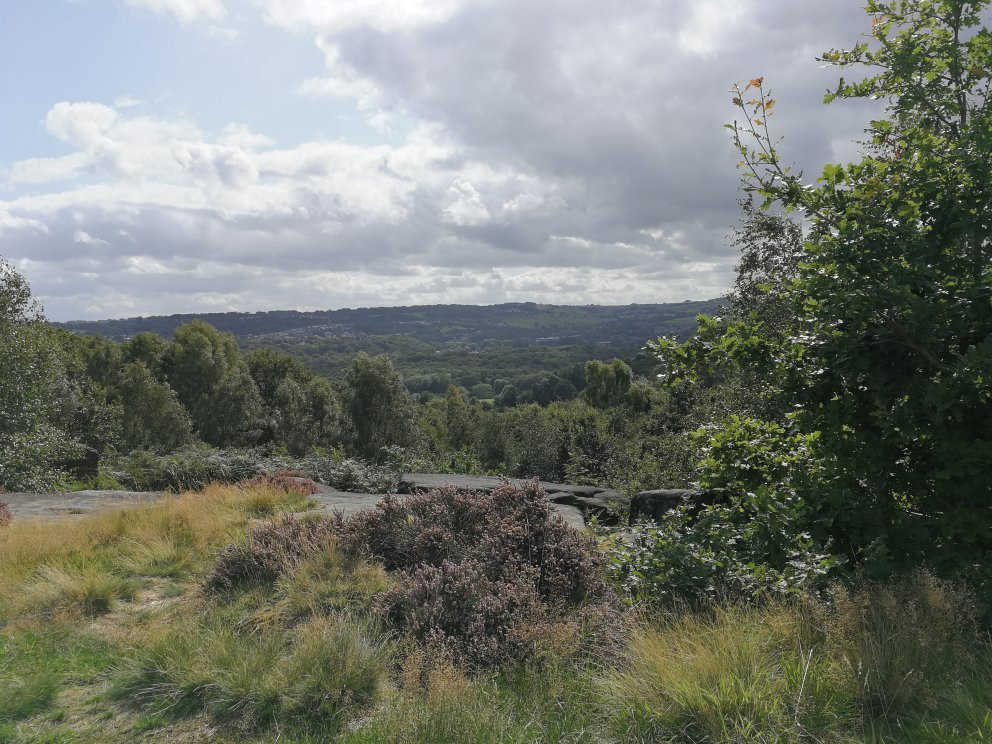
point(74, 504)
point(587, 499)
point(80, 503)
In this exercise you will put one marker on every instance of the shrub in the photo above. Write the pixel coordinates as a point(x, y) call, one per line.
point(759, 539)
point(284, 482)
point(351, 475)
point(269, 551)
point(459, 609)
point(5, 515)
point(193, 468)
point(475, 570)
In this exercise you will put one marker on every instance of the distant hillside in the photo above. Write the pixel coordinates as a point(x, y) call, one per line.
point(433, 345)
point(518, 324)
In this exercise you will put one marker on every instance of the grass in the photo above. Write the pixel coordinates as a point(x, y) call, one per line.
point(35, 664)
point(170, 538)
point(86, 586)
point(440, 703)
point(312, 678)
point(56, 577)
point(85, 656)
point(735, 675)
point(896, 662)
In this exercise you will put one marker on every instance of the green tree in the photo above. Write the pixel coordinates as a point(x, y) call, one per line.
point(607, 383)
point(213, 383)
point(458, 419)
point(151, 415)
point(269, 368)
point(886, 364)
point(36, 398)
point(148, 349)
point(379, 408)
point(306, 416)
point(896, 365)
point(772, 247)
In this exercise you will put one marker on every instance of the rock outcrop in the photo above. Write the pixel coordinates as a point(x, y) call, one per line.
point(654, 504)
point(590, 500)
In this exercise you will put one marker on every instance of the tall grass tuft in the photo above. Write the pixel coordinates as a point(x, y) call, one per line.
point(909, 649)
point(166, 556)
point(314, 678)
point(85, 587)
point(23, 696)
point(735, 675)
point(438, 704)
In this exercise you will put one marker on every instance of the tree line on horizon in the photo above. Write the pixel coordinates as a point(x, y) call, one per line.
point(82, 397)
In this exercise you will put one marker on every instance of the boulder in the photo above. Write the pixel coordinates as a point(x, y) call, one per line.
point(654, 504)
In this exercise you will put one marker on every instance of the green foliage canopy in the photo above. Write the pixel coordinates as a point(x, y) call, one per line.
point(883, 356)
point(379, 407)
point(35, 393)
point(214, 384)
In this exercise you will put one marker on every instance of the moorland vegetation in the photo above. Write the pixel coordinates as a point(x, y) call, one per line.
point(840, 588)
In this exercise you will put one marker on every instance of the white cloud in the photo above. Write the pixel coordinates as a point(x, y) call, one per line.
point(10, 222)
point(464, 205)
point(81, 236)
point(124, 102)
point(381, 15)
point(46, 170)
point(185, 11)
point(711, 25)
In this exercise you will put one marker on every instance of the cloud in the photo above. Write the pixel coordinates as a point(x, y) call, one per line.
point(464, 205)
point(383, 16)
point(185, 11)
point(567, 151)
point(81, 236)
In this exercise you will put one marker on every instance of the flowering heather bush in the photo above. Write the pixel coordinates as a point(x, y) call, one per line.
point(5, 516)
point(460, 609)
point(478, 570)
point(271, 549)
point(508, 529)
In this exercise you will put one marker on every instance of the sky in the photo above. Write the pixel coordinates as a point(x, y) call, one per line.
point(167, 156)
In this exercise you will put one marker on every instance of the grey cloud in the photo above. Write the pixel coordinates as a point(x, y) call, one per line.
point(570, 147)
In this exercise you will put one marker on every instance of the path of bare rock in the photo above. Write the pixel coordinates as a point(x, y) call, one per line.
point(327, 500)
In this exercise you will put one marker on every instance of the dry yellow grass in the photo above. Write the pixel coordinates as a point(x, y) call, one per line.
point(731, 675)
point(162, 538)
